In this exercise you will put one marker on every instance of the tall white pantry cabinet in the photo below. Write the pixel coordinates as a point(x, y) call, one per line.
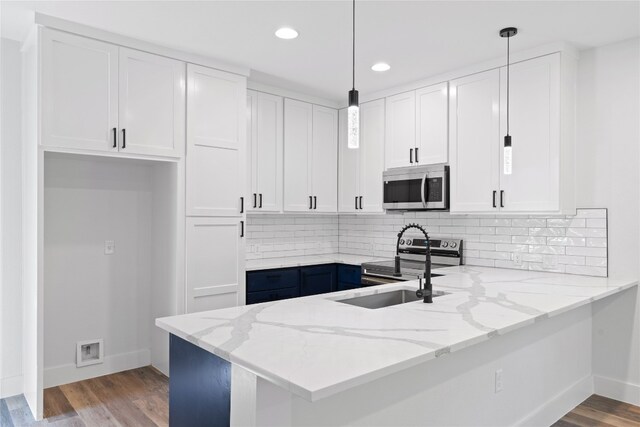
point(92, 97)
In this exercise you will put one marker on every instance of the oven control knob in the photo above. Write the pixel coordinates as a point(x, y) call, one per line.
point(453, 245)
point(408, 242)
point(444, 244)
point(402, 241)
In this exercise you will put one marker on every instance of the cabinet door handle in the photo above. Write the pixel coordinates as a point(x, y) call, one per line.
point(241, 204)
point(310, 202)
point(315, 202)
point(356, 198)
point(502, 198)
point(410, 155)
point(360, 202)
point(115, 137)
point(260, 206)
point(494, 199)
point(124, 138)
point(417, 161)
point(255, 200)
point(241, 228)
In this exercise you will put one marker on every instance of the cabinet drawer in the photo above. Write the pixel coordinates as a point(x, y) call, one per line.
point(349, 274)
point(266, 280)
point(272, 295)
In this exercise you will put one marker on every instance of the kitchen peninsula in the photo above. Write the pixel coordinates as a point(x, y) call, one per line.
point(501, 347)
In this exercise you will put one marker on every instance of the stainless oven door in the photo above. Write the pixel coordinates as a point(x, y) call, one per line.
point(417, 188)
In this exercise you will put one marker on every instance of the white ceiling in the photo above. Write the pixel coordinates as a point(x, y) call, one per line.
point(418, 38)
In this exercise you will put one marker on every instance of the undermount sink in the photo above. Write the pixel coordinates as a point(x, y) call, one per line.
point(386, 299)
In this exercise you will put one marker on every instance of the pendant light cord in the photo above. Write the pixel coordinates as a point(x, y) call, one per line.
point(353, 47)
point(508, 62)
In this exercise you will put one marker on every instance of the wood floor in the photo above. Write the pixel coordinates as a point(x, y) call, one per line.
point(139, 398)
point(132, 398)
point(598, 411)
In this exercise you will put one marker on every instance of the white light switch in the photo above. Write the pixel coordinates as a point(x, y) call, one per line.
point(499, 386)
point(109, 247)
point(517, 258)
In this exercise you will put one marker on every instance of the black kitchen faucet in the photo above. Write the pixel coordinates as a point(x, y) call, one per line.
point(427, 292)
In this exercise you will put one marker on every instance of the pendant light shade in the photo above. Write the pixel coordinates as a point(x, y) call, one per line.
point(353, 111)
point(507, 155)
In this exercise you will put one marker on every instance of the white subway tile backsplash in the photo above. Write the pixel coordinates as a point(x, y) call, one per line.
point(574, 244)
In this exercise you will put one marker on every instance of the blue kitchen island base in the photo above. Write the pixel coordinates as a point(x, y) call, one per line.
point(199, 386)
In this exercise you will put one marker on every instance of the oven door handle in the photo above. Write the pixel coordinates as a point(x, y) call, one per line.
point(425, 189)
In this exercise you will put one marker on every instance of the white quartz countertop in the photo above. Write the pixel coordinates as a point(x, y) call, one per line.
point(299, 261)
point(316, 347)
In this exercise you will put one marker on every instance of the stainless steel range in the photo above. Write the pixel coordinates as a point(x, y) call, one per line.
point(445, 252)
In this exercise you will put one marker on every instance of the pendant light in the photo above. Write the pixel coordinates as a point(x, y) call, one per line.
point(508, 153)
point(353, 112)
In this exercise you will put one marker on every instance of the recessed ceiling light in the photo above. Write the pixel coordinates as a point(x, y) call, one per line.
point(380, 66)
point(286, 33)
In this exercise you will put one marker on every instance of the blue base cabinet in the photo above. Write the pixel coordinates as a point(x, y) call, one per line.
point(349, 277)
point(319, 279)
point(283, 283)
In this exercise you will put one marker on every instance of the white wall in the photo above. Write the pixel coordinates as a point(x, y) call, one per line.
point(87, 294)
point(11, 226)
point(608, 141)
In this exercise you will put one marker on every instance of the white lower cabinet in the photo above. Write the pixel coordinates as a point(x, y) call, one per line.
point(310, 157)
point(265, 145)
point(216, 138)
point(360, 171)
point(541, 107)
point(215, 263)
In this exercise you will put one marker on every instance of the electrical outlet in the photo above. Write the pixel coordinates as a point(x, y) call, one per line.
point(498, 383)
point(109, 247)
point(517, 258)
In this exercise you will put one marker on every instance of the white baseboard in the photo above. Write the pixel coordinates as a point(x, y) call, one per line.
point(65, 374)
point(556, 407)
point(618, 390)
point(10, 386)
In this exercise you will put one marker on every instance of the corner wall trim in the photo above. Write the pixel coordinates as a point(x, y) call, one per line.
point(618, 390)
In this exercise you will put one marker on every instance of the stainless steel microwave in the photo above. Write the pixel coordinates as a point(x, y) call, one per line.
point(416, 188)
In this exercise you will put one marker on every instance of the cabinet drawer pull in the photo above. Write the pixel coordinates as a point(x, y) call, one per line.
point(502, 198)
point(310, 202)
point(241, 228)
point(315, 202)
point(417, 161)
point(241, 204)
point(255, 200)
point(361, 202)
point(124, 138)
point(494, 199)
point(356, 198)
point(410, 155)
point(260, 206)
point(115, 137)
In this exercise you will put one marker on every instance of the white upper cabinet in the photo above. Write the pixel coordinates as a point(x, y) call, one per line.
point(432, 126)
point(417, 127)
point(324, 160)
point(298, 135)
point(100, 97)
point(371, 155)
point(541, 118)
point(79, 92)
point(361, 170)
point(152, 104)
point(216, 137)
point(310, 157)
point(535, 134)
point(400, 130)
point(265, 145)
point(475, 134)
